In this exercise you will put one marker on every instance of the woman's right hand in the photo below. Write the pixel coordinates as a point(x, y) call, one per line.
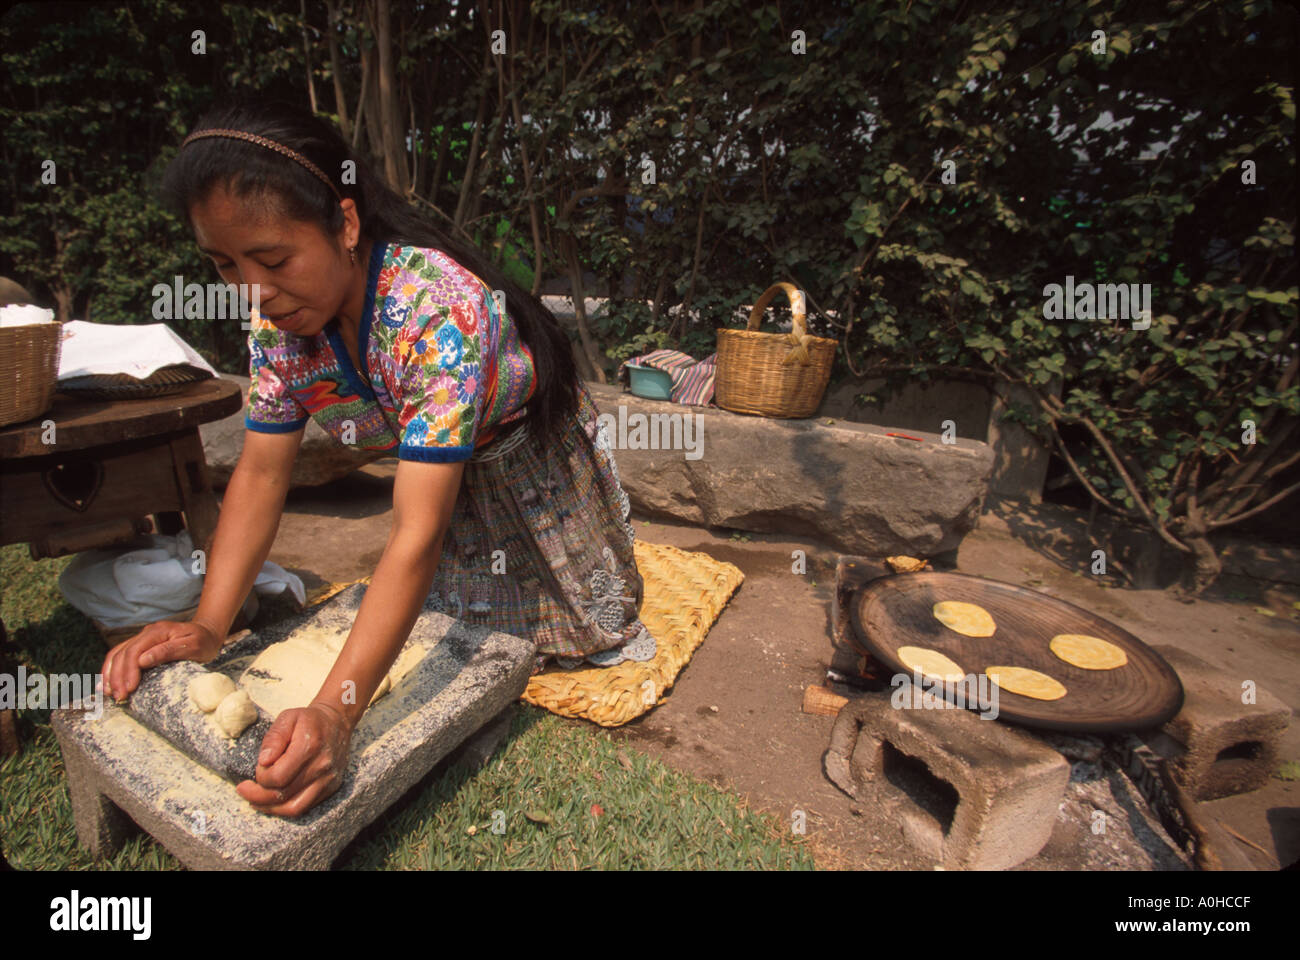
point(160, 642)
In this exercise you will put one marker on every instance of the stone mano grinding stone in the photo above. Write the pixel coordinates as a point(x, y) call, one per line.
point(162, 703)
point(114, 762)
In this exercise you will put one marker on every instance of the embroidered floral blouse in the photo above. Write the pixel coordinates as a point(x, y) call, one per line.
point(441, 374)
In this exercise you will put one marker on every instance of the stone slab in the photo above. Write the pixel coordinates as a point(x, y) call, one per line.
point(1220, 746)
point(846, 484)
point(971, 793)
point(117, 765)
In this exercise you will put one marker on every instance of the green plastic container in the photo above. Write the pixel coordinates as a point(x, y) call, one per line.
point(650, 383)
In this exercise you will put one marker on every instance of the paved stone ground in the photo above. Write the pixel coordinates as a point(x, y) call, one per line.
point(773, 640)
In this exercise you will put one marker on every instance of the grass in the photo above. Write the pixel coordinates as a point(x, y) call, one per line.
point(531, 807)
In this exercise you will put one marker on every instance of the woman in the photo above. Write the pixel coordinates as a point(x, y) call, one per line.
point(507, 509)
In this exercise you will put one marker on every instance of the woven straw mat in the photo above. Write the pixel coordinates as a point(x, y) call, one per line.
point(684, 594)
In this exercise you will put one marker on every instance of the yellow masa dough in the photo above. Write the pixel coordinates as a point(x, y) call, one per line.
point(290, 673)
point(1026, 682)
point(931, 663)
point(968, 619)
point(1090, 653)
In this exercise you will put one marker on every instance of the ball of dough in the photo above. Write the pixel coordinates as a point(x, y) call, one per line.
point(209, 690)
point(235, 713)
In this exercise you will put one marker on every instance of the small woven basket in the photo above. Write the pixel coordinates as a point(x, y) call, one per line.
point(773, 374)
point(29, 370)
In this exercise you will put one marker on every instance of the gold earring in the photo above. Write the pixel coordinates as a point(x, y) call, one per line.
point(352, 252)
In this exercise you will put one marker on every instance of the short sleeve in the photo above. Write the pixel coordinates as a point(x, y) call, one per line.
point(272, 408)
point(442, 387)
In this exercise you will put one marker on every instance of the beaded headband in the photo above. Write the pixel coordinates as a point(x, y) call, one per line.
point(269, 144)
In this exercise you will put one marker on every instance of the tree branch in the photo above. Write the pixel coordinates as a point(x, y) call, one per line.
point(1259, 509)
point(1118, 464)
point(1241, 474)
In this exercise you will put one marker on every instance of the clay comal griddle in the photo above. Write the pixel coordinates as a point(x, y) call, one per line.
point(897, 611)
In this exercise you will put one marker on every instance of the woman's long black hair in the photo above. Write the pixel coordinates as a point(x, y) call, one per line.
point(249, 170)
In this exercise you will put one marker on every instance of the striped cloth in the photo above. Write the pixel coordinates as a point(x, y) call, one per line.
point(692, 380)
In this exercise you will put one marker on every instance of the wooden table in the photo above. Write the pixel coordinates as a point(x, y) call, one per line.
point(89, 474)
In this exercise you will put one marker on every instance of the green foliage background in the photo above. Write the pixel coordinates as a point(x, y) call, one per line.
point(825, 168)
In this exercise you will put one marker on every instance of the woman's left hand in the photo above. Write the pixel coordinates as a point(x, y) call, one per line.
point(303, 759)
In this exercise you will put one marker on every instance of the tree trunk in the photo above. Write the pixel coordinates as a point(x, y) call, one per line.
point(588, 357)
point(374, 114)
point(534, 211)
point(366, 107)
point(1204, 566)
point(618, 204)
point(65, 296)
point(413, 179)
point(436, 185)
point(306, 55)
point(389, 114)
point(534, 214)
point(336, 69)
point(491, 160)
point(661, 289)
point(390, 107)
point(1146, 565)
point(63, 301)
point(471, 162)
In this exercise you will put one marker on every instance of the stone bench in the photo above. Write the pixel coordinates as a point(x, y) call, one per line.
point(846, 484)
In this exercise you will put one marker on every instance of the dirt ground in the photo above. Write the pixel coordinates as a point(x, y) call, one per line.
point(734, 716)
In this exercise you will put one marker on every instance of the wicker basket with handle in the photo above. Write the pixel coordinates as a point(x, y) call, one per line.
point(773, 374)
point(29, 370)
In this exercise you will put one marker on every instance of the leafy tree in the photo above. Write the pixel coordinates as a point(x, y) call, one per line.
point(94, 99)
point(1139, 129)
point(925, 171)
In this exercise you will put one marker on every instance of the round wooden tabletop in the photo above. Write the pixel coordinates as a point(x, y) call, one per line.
point(81, 424)
point(896, 611)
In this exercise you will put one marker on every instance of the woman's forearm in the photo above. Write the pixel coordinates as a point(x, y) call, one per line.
point(246, 528)
point(389, 609)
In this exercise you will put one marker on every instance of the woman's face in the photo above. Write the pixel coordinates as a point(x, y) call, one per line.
point(304, 276)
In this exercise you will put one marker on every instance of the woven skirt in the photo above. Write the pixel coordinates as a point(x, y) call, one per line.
point(540, 546)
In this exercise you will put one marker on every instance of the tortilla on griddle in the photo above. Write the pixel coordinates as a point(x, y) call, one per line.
point(1026, 682)
point(1090, 653)
point(968, 619)
point(931, 663)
